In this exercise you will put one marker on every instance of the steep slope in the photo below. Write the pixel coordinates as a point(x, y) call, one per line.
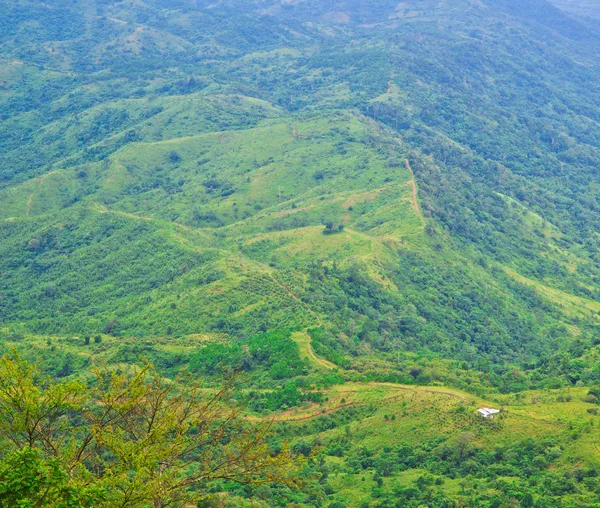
point(417, 177)
point(366, 207)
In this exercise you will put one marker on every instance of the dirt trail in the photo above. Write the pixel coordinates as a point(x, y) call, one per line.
point(296, 135)
point(29, 203)
point(417, 388)
point(289, 416)
point(293, 136)
point(397, 391)
point(299, 300)
point(415, 200)
point(40, 180)
point(319, 361)
point(292, 415)
point(306, 351)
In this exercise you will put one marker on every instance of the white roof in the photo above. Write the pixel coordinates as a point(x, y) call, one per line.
point(486, 411)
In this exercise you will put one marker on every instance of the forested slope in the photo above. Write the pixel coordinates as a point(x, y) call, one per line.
point(383, 214)
point(417, 177)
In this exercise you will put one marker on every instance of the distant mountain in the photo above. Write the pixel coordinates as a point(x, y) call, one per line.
point(584, 8)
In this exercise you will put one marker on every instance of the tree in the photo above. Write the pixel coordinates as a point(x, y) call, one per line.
point(127, 440)
point(26, 477)
point(415, 372)
point(527, 500)
point(174, 157)
point(463, 444)
point(328, 228)
point(111, 327)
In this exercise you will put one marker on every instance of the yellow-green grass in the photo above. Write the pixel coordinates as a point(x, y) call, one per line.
point(401, 413)
point(42, 346)
point(572, 304)
point(307, 352)
point(413, 414)
point(153, 120)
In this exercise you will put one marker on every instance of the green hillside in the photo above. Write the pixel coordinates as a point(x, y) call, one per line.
point(293, 223)
point(378, 202)
point(378, 443)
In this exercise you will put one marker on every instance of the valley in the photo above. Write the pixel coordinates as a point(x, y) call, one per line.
point(376, 217)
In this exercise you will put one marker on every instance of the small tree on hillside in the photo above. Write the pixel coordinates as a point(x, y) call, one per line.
point(174, 157)
point(112, 327)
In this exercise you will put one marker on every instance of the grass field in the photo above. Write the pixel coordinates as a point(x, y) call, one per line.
point(376, 418)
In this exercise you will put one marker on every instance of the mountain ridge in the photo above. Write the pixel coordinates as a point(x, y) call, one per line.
point(287, 153)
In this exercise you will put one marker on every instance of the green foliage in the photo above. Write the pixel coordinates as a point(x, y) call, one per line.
point(272, 354)
point(124, 440)
point(286, 397)
point(28, 480)
point(179, 179)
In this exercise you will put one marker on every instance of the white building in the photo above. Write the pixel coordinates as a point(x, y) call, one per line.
point(486, 412)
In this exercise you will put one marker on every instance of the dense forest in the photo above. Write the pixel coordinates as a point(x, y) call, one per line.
point(377, 216)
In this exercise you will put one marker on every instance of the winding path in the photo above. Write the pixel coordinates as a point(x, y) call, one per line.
point(415, 200)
